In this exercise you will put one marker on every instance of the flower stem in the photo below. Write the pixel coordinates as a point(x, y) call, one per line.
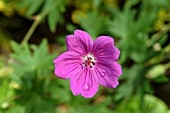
point(31, 30)
point(36, 23)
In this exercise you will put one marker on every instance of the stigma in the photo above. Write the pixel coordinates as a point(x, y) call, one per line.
point(88, 61)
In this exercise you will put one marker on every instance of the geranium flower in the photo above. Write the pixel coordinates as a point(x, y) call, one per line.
point(88, 63)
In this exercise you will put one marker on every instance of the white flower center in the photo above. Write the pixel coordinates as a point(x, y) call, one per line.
point(89, 60)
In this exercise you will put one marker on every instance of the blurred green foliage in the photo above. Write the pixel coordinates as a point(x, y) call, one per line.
point(140, 29)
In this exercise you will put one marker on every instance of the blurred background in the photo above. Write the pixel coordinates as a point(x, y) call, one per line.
point(32, 34)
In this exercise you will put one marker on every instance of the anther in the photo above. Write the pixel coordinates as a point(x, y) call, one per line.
point(89, 61)
point(93, 63)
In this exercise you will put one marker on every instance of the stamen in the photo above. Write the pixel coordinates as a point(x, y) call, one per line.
point(93, 63)
point(89, 60)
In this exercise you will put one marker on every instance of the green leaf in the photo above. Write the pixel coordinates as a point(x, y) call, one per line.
point(161, 79)
point(91, 23)
point(53, 19)
point(34, 6)
point(15, 46)
point(24, 3)
point(123, 23)
point(28, 64)
point(89, 109)
point(156, 71)
point(154, 105)
point(47, 4)
point(17, 109)
point(97, 3)
point(151, 104)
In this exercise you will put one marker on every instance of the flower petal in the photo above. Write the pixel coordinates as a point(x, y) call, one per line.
point(67, 64)
point(84, 83)
point(104, 49)
point(80, 42)
point(107, 75)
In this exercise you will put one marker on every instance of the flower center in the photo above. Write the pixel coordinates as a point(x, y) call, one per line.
point(89, 60)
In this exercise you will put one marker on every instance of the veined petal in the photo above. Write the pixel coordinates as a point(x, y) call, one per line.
point(104, 49)
point(107, 75)
point(117, 68)
point(67, 64)
point(84, 83)
point(80, 42)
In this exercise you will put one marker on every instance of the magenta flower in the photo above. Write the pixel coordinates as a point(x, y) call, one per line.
point(88, 63)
